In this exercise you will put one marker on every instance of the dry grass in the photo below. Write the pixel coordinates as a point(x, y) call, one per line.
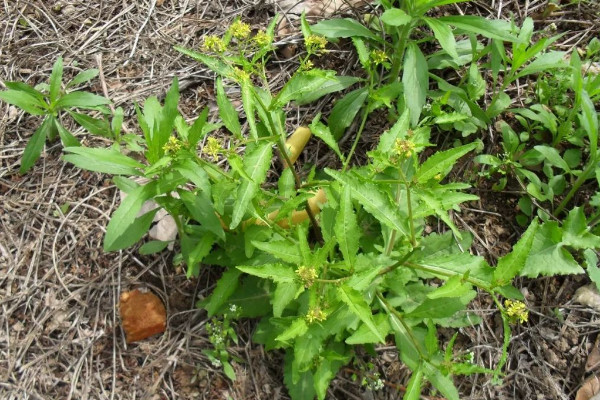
point(60, 336)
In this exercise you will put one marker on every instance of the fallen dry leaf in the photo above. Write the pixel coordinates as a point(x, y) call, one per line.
point(593, 361)
point(589, 390)
point(142, 315)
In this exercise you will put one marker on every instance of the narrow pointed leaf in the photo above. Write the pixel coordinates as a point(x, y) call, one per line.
point(256, 165)
point(358, 306)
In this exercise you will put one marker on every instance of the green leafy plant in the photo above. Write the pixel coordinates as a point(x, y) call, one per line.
point(359, 269)
point(51, 100)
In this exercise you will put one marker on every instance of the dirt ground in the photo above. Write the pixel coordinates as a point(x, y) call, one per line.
point(60, 335)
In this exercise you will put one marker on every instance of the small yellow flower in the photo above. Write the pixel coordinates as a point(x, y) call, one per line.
point(308, 65)
point(516, 311)
point(262, 39)
point(214, 43)
point(404, 148)
point(173, 145)
point(308, 275)
point(315, 44)
point(240, 75)
point(378, 57)
point(240, 30)
point(213, 147)
point(315, 314)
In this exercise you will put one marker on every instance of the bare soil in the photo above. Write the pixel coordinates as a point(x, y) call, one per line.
point(60, 335)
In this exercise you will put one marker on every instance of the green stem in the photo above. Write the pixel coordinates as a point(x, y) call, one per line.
point(589, 170)
point(391, 310)
point(399, 53)
point(506, 338)
point(413, 239)
point(362, 124)
point(282, 150)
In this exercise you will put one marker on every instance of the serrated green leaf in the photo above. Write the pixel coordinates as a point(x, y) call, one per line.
point(364, 334)
point(494, 29)
point(276, 272)
point(256, 165)
point(413, 389)
point(81, 100)
point(591, 260)
point(227, 111)
point(126, 213)
point(434, 308)
point(297, 328)
point(374, 202)
point(249, 107)
point(212, 63)
point(398, 130)
point(441, 162)
point(25, 101)
point(358, 305)
point(511, 264)
point(346, 228)
point(548, 255)
point(198, 129)
point(108, 161)
point(553, 157)
point(226, 286)
point(545, 62)
point(343, 28)
point(282, 249)
point(589, 121)
point(415, 78)
point(344, 111)
point(202, 210)
point(453, 287)
point(36, 144)
point(283, 295)
point(444, 36)
point(132, 233)
point(321, 131)
point(301, 84)
point(576, 232)
point(440, 381)
point(93, 125)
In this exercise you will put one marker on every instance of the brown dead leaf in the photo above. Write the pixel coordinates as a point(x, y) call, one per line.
point(159, 2)
point(593, 361)
point(589, 390)
point(142, 315)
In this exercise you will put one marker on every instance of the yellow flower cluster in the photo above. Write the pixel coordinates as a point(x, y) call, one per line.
point(240, 75)
point(315, 44)
point(307, 275)
point(315, 314)
point(240, 30)
point(404, 148)
point(173, 145)
point(213, 147)
point(516, 311)
point(378, 57)
point(214, 43)
point(262, 39)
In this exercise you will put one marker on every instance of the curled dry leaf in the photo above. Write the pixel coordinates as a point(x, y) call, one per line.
point(142, 315)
